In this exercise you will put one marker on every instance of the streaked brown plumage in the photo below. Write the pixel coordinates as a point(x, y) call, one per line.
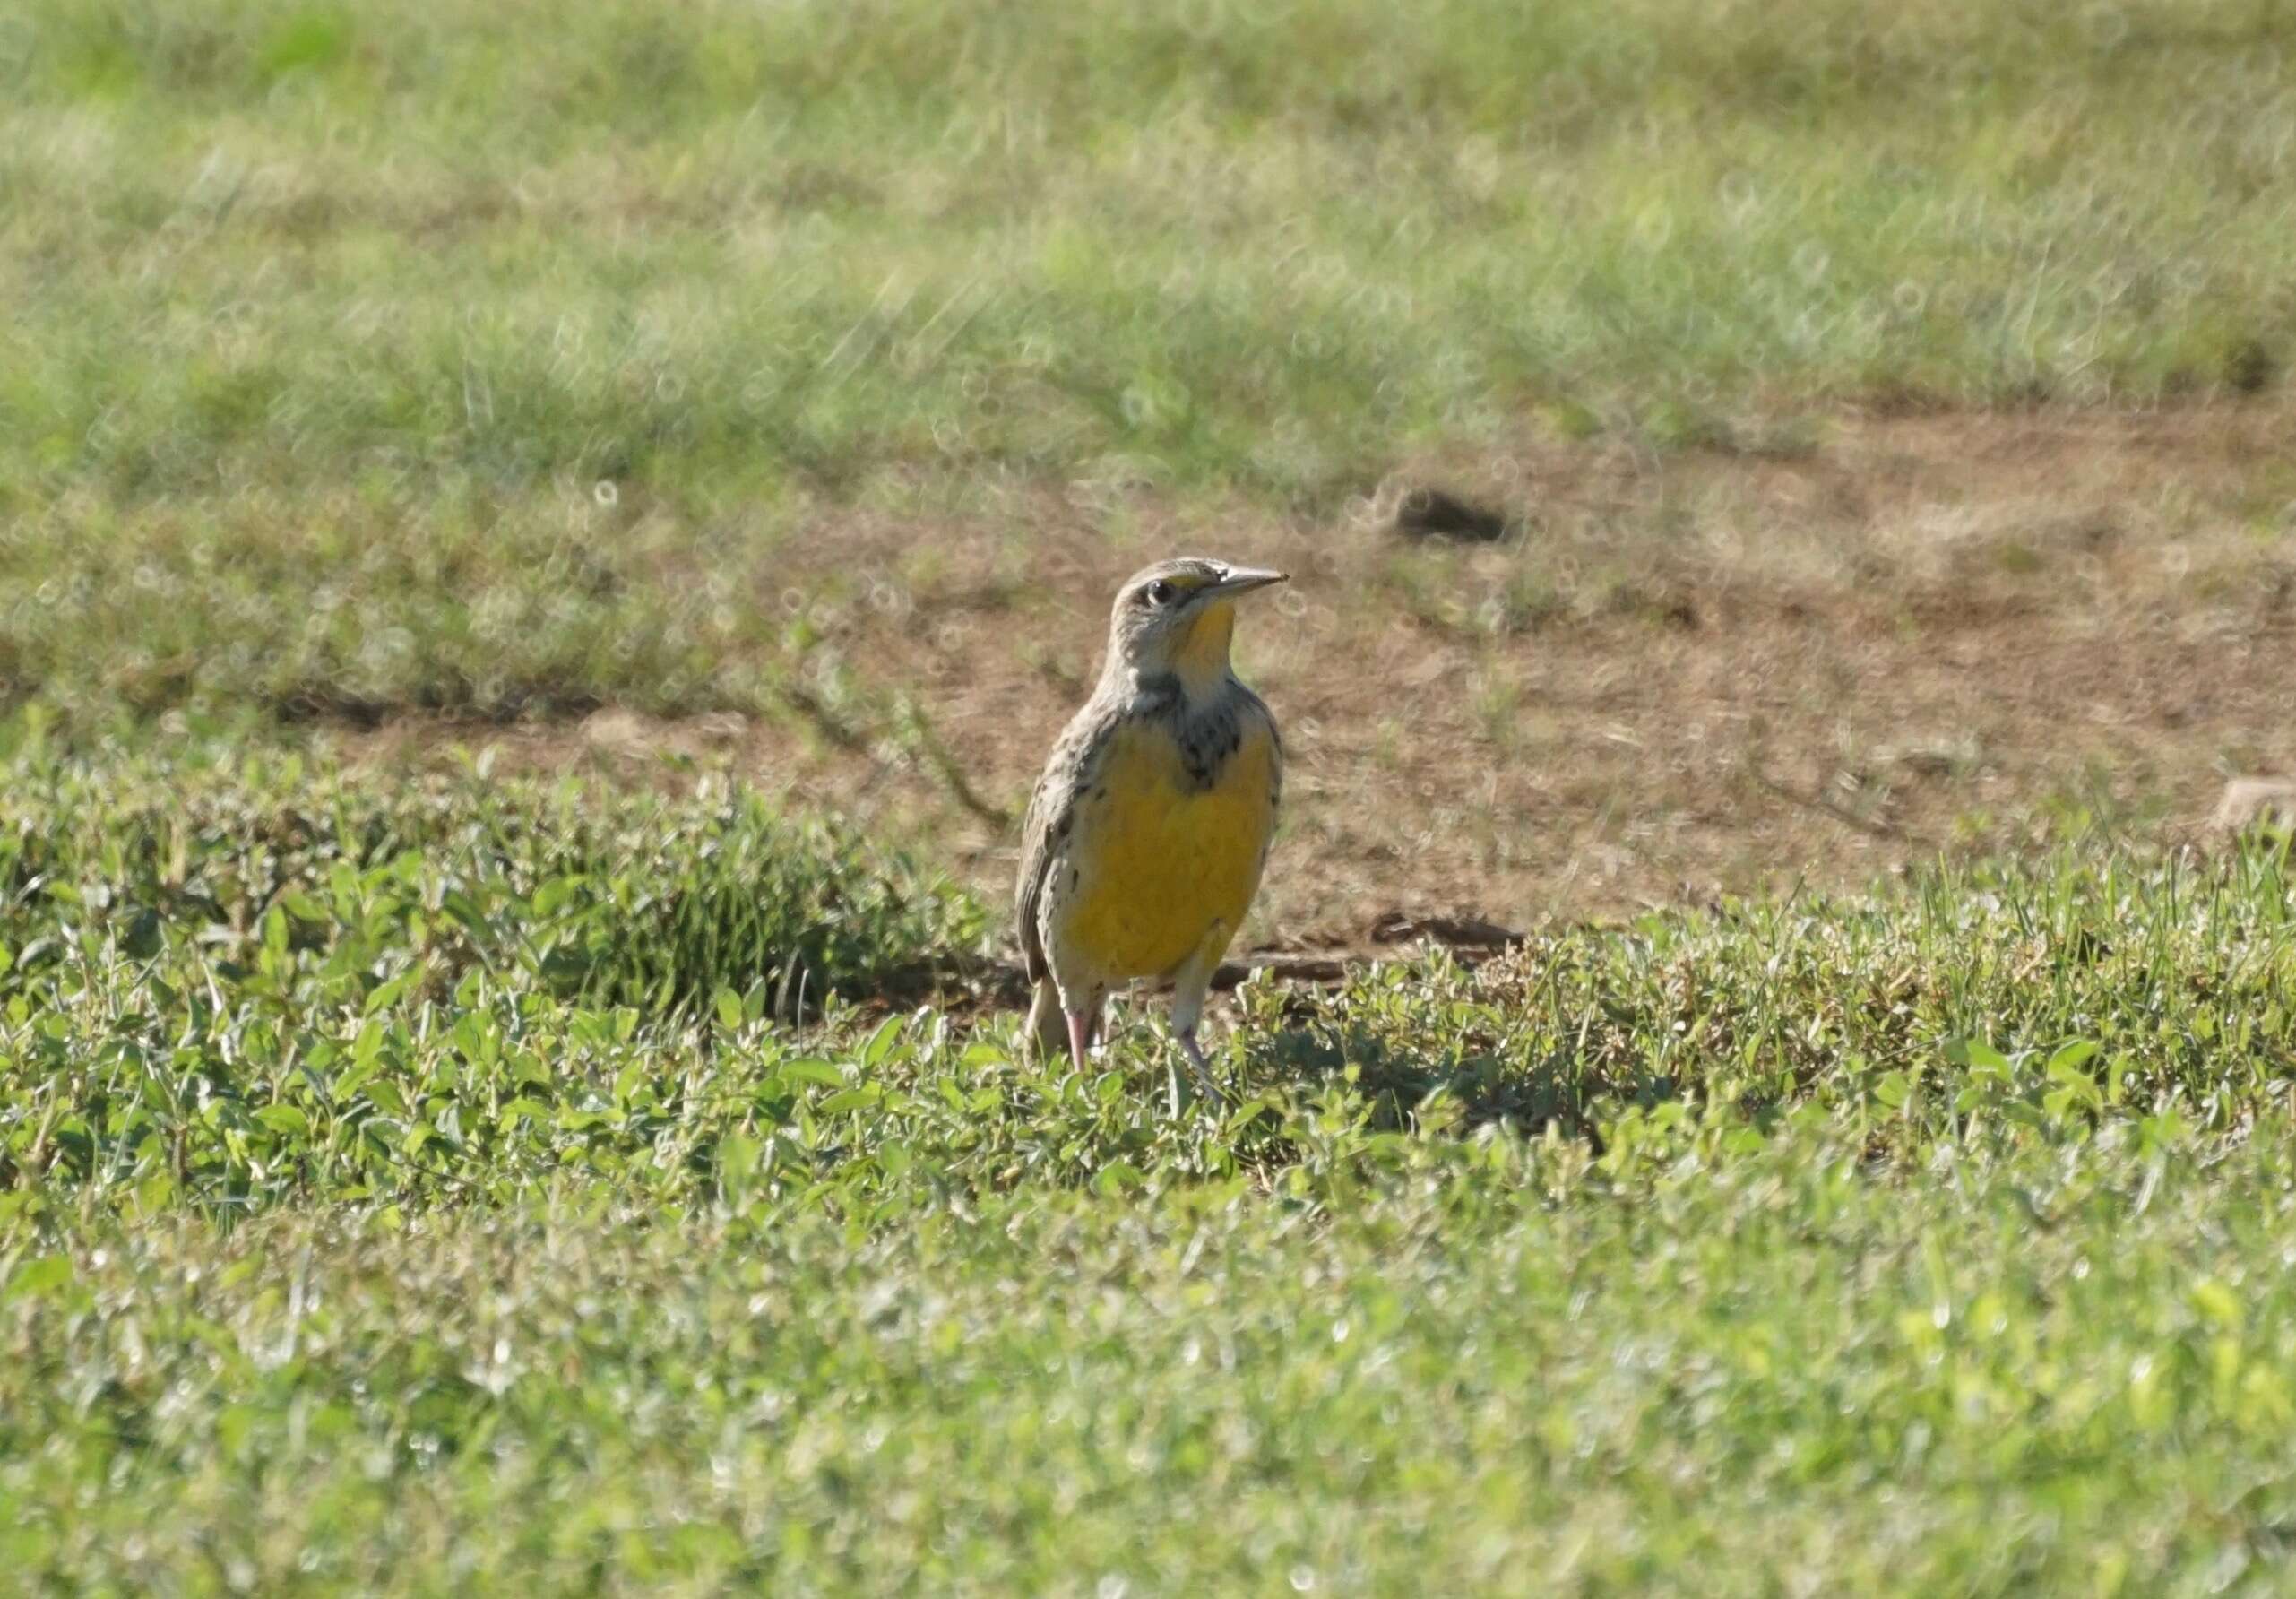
point(1149, 830)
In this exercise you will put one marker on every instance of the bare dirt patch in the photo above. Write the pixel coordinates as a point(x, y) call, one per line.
point(1679, 676)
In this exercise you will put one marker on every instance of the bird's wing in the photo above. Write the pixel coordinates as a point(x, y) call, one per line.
point(1051, 811)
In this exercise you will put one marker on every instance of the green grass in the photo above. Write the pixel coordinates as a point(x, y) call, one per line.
point(2064, 1371)
point(327, 322)
point(241, 866)
point(230, 985)
point(348, 1240)
point(463, 1183)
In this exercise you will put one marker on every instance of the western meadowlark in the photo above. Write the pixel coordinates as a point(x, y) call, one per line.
point(1149, 828)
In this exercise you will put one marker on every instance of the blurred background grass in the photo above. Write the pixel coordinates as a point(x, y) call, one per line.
point(401, 355)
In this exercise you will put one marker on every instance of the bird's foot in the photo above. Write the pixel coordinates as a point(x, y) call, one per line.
point(1200, 1068)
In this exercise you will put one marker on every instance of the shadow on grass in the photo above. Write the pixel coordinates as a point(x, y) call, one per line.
point(1402, 1084)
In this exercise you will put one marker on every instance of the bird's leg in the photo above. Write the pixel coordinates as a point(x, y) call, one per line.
point(1096, 1025)
point(1044, 1032)
point(1189, 985)
point(1199, 1065)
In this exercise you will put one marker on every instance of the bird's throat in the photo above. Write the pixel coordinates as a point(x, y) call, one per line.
point(1201, 659)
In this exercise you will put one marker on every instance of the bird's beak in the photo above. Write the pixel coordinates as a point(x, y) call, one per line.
point(1242, 580)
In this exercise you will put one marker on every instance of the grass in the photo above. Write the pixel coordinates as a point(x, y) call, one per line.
point(417, 1174)
point(348, 1240)
point(2064, 1370)
point(385, 356)
point(279, 987)
point(585, 892)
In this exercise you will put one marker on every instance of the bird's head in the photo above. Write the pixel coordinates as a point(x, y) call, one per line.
point(1177, 616)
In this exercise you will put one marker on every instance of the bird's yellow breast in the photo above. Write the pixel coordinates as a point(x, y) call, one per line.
point(1160, 862)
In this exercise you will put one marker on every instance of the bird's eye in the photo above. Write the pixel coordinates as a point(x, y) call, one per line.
point(1160, 593)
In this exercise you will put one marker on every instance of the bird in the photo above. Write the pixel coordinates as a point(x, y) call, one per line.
point(1148, 833)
